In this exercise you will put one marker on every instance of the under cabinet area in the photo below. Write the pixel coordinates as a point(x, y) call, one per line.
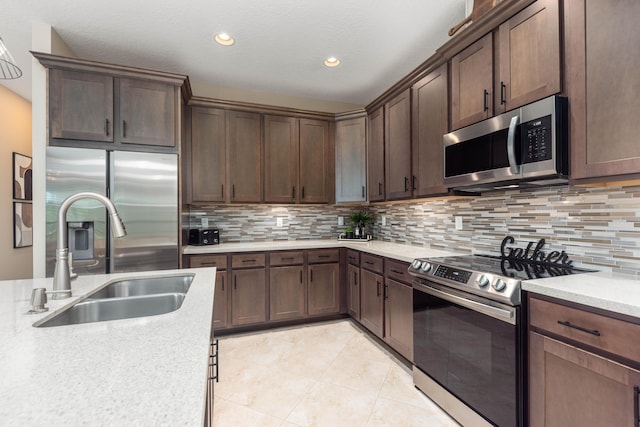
point(584, 365)
point(287, 284)
point(248, 290)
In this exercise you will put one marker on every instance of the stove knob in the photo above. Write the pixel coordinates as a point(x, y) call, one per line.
point(482, 280)
point(426, 266)
point(499, 285)
point(416, 263)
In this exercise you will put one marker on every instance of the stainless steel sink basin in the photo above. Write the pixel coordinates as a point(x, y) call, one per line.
point(145, 286)
point(98, 310)
point(125, 299)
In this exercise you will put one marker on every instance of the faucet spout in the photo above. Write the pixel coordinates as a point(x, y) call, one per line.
point(61, 276)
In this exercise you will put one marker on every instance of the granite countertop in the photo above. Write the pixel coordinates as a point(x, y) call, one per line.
point(397, 251)
point(143, 371)
point(601, 290)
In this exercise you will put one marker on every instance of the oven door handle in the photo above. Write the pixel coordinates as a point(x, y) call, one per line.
point(495, 312)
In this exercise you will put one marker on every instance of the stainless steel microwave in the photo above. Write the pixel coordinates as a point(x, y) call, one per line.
point(526, 147)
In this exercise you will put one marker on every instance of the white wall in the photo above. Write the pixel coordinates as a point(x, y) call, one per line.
point(15, 136)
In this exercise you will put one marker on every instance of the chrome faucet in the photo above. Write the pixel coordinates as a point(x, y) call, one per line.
point(61, 275)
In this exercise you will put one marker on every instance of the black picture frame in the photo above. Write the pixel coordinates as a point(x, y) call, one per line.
point(22, 224)
point(22, 177)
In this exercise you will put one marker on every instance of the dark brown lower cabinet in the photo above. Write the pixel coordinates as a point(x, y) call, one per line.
point(324, 285)
point(372, 302)
point(570, 386)
point(220, 301)
point(353, 291)
point(286, 292)
point(398, 317)
point(248, 296)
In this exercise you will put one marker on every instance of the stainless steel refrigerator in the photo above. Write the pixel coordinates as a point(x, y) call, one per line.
point(144, 188)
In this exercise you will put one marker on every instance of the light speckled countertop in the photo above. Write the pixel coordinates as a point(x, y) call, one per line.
point(144, 371)
point(397, 251)
point(602, 290)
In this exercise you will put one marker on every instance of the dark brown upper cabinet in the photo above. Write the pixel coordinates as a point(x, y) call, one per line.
point(529, 56)
point(281, 154)
point(430, 122)
point(602, 82)
point(375, 156)
point(81, 105)
point(148, 113)
point(351, 160)
point(208, 154)
point(472, 83)
point(244, 144)
point(316, 165)
point(398, 146)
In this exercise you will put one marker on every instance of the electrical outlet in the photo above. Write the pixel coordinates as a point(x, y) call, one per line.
point(205, 222)
point(280, 222)
point(340, 220)
point(384, 220)
point(458, 223)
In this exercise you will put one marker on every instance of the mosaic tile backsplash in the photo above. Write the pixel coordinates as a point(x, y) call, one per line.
point(595, 226)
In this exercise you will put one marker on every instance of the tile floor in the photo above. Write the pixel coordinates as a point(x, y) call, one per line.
point(328, 374)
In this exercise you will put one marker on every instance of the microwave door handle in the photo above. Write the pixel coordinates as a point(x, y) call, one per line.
point(514, 167)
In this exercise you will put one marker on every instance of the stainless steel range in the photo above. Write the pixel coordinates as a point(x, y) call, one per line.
point(468, 340)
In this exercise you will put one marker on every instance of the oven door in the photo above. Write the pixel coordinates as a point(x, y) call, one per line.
point(471, 348)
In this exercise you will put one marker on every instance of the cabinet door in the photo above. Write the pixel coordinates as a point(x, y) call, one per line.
point(220, 301)
point(287, 293)
point(472, 83)
point(280, 159)
point(603, 83)
point(430, 122)
point(244, 143)
point(353, 292)
point(571, 386)
point(208, 154)
point(148, 113)
point(351, 160)
point(324, 296)
point(398, 146)
point(398, 317)
point(375, 156)
point(81, 105)
point(372, 302)
point(529, 56)
point(316, 165)
point(248, 297)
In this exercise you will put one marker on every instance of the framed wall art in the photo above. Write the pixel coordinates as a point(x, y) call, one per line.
point(22, 224)
point(22, 177)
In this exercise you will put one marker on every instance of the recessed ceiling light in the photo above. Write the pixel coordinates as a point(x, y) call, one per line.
point(331, 61)
point(224, 39)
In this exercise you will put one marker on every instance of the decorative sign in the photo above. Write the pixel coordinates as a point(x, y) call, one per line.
point(533, 254)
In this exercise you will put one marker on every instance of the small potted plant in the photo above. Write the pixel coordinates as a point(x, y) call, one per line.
point(360, 219)
point(349, 233)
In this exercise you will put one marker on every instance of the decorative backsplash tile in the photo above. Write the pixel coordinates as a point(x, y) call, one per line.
point(595, 226)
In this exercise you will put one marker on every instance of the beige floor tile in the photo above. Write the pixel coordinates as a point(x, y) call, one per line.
point(330, 405)
point(358, 373)
point(398, 386)
point(231, 414)
point(396, 414)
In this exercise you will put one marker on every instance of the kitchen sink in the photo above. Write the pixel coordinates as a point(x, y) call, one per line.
point(145, 286)
point(125, 299)
point(98, 310)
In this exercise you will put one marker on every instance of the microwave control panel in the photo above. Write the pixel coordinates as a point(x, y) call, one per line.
point(537, 140)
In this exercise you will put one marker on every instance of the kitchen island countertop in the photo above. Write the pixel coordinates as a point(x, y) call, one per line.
point(142, 371)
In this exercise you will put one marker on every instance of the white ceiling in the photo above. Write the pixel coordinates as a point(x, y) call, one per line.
point(280, 44)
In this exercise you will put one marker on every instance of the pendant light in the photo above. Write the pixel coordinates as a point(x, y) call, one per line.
point(8, 68)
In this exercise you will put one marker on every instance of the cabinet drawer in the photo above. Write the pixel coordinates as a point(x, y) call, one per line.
point(397, 270)
point(317, 256)
point(353, 257)
point(247, 260)
point(286, 258)
point(218, 261)
point(372, 263)
point(602, 332)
